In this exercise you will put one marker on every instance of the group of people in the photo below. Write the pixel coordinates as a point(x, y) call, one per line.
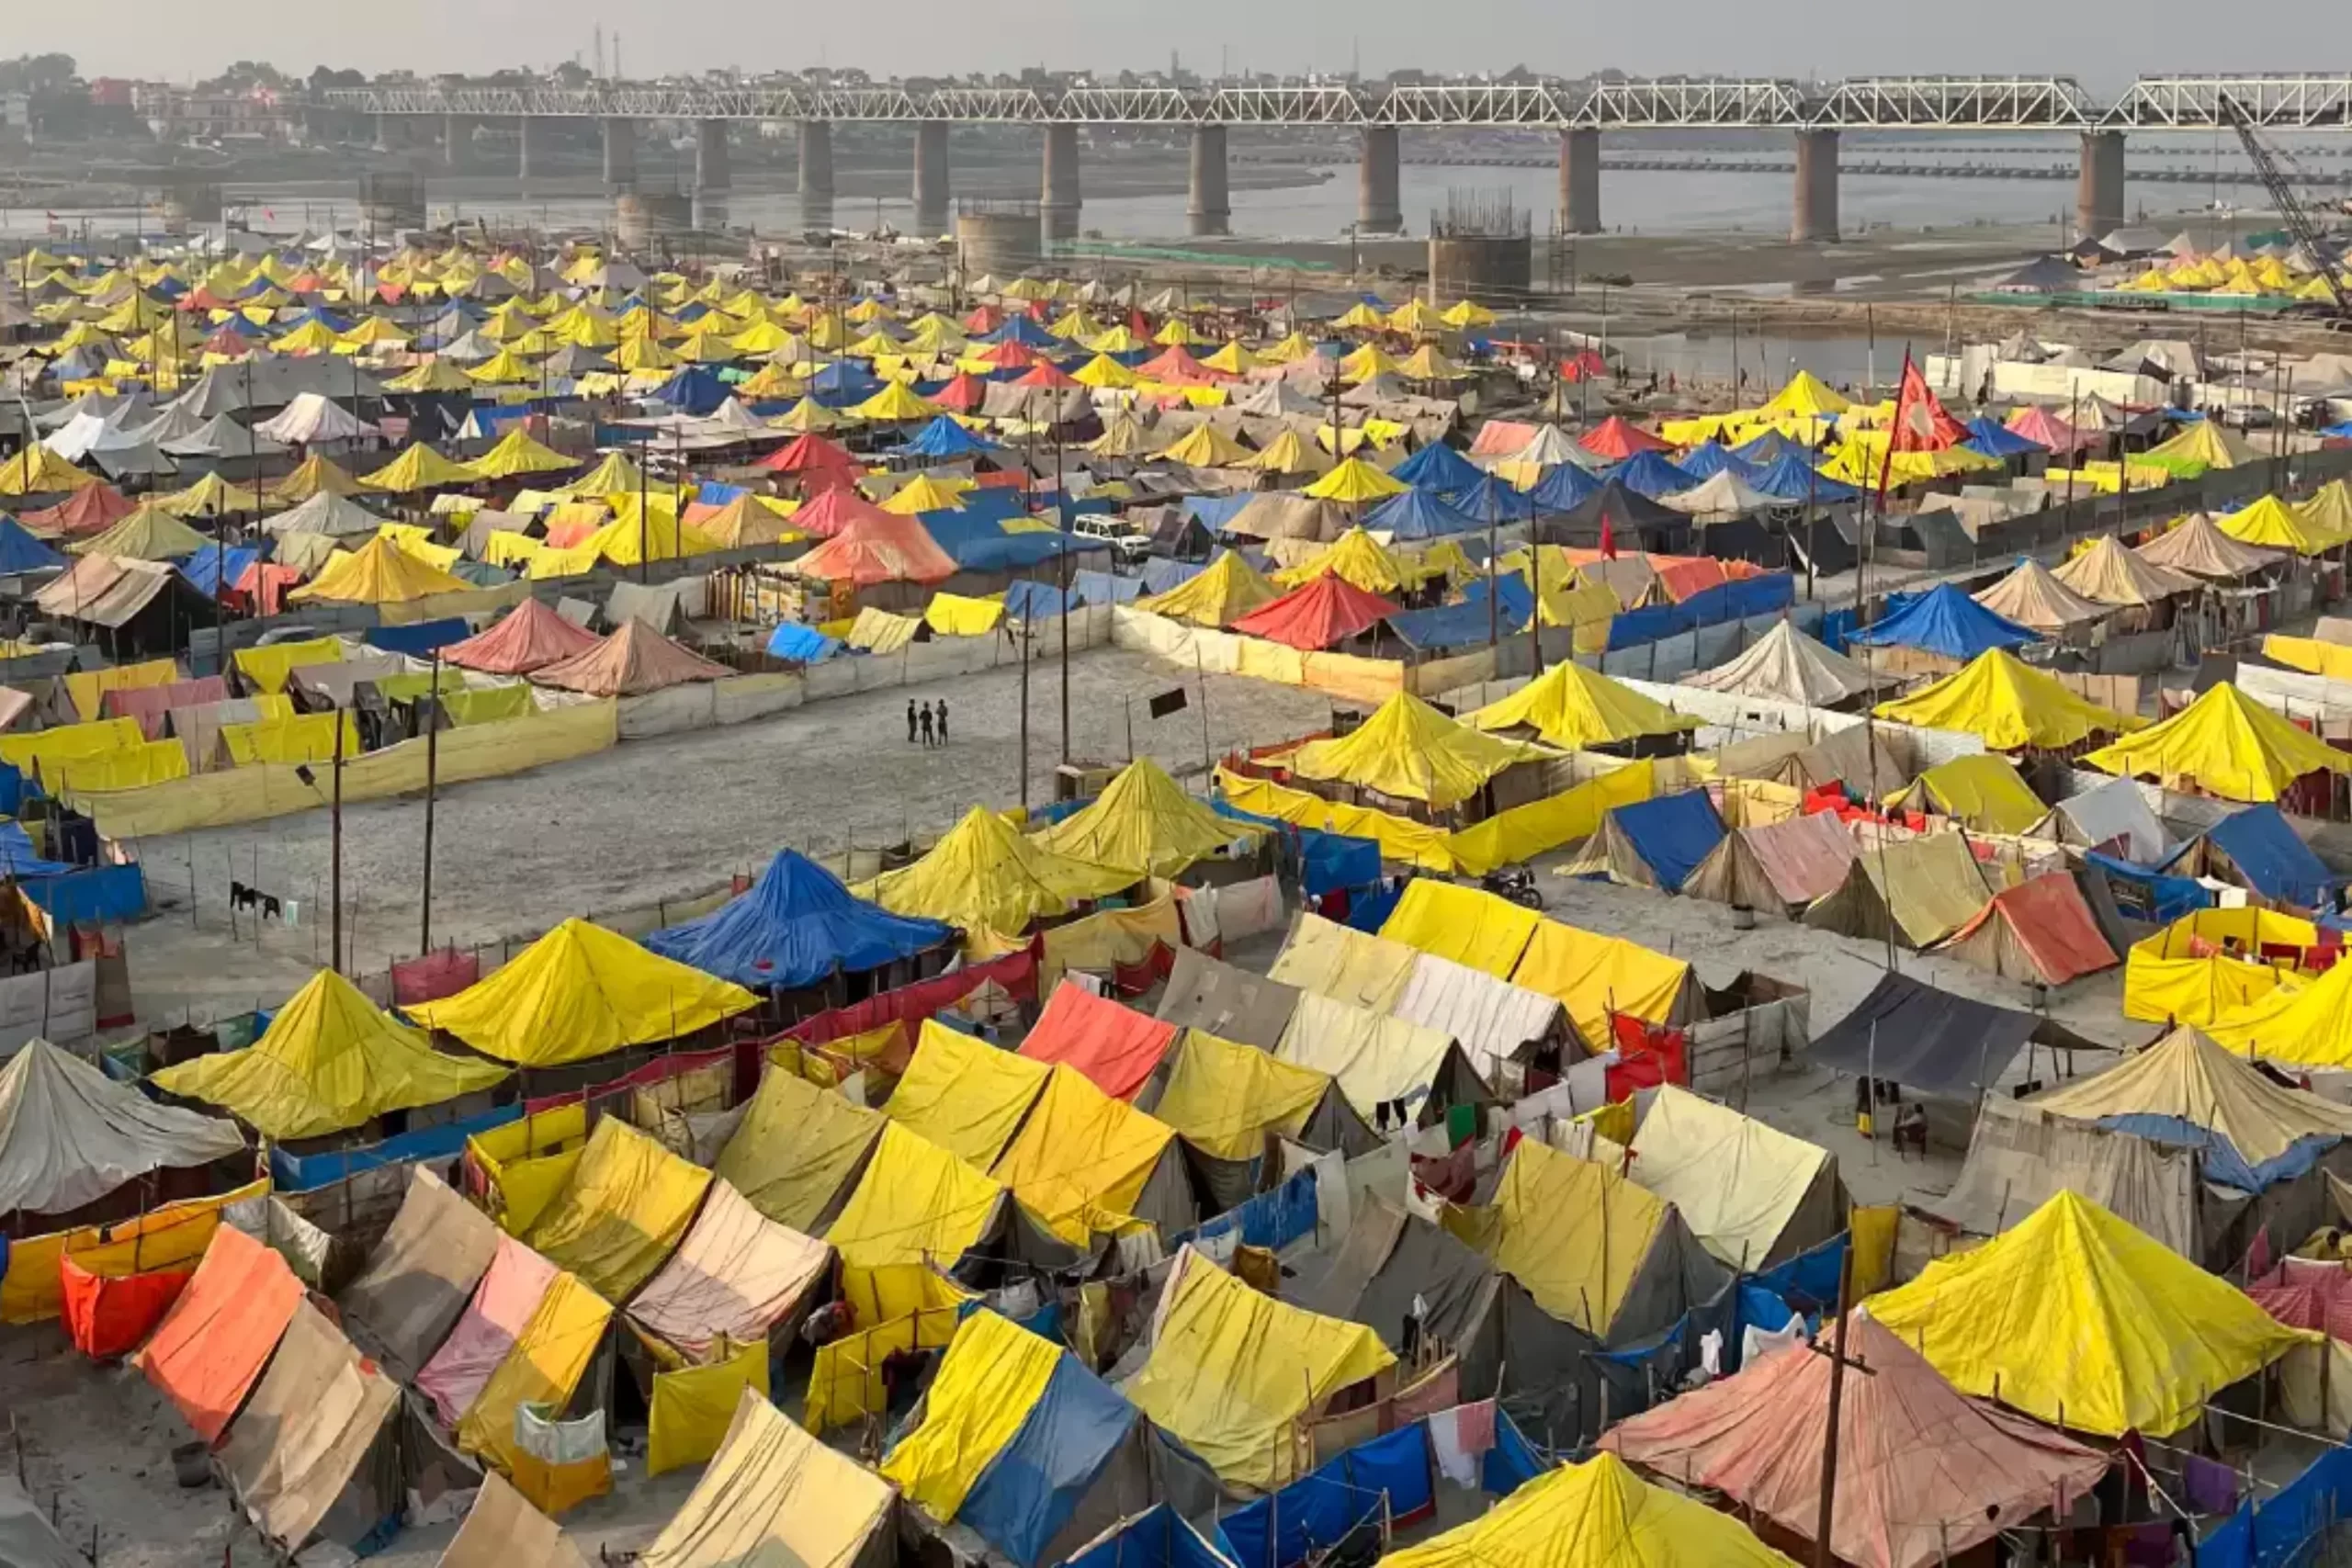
point(932, 727)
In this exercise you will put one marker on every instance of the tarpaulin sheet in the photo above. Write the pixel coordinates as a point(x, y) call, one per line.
point(1927, 888)
point(1144, 822)
point(1082, 1161)
point(69, 1136)
point(1671, 834)
point(1028, 1496)
point(210, 1346)
point(88, 688)
point(2008, 704)
point(109, 1316)
point(2271, 858)
point(1362, 971)
point(845, 1380)
point(623, 1212)
point(1750, 1193)
point(774, 1494)
point(1400, 839)
point(312, 1419)
point(1158, 1537)
point(2205, 968)
point(1376, 1058)
point(985, 876)
point(692, 1407)
point(1231, 1372)
point(174, 1236)
point(302, 1173)
point(797, 1150)
point(1115, 1047)
point(422, 1274)
point(1520, 833)
point(1594, 1515)
point(1272, 1219)
point(1924, 1039)
point(1984, 793)
point(2223, 744)
point(510, 1290)
point(2039, 929)
point(1130, 942)
point(100, 894)
point(1465, 925)
point(736, 1276)
point(1571, 707)
point(581, 992)
point(964, 1095)
point(1409, 751)
point(1386, 1478)
point(1492, 1020)
point(1573, 1232)
point(1015, 974)
point(990, 1380)
point(1594, 977)
point(2078, 1319)
point(545, 1363)
point(793, 927)
point(1231, 1003)
point(918, 1210)
point(504, 1530)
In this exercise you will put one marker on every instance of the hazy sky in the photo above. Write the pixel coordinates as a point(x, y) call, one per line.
point(2104, 45)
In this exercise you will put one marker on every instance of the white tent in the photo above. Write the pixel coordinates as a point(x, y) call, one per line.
point(312, 418)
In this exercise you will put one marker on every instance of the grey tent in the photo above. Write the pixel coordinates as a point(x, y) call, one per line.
point(70, 1135)
point(1391, 1259)
point(1231, 1003)
point(420, 1275)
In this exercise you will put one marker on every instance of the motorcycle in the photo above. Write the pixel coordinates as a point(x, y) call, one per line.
point(1515, 882)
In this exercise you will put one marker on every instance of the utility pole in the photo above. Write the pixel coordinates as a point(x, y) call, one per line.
point(1823, 1556)
point(1061, 507)
point(432, 777)
point(334, 889)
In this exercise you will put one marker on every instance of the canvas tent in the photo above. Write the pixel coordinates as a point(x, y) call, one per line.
point(1226, 1101)
point(1574, 708)
point(1116, 1048)
point(1375, 1059)
point(2040, 930)
point(621, 1212)
point(504, 1530)
point(735, 1278)
point(2114, 816)
point(1225, 1001)
point(2008, 704)
point(985, 876)
point(795, 927)
point(1390, 1259)
point(1923, 889)
point(1598, 1514)
point(798, 1151)
point(775, 1493)
point(209, 1350)
point(420, 1276)
point(1753, 1195)
point(1144, 823)
point(964, 1095)
point(2223, 744)
point(1085, 1163)
point(1782, 867)
point(528, 637)
point(1929, 1040)
point(917, 1209)
point(70, 1135)
point(2258, 850)
point(1658, 843)
point(1787, 666)
point(312, 1451)
point(1409, 751)
point(1593, 976)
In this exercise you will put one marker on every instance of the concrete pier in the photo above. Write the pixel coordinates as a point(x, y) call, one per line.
point(2098, 189)
point(1580, 182)
point(1209, 210)
point(713, 179)
point(1378, 208)
point(931, 190)
point(816, 173)
point(528, 136)
point(456, 141)
point(1060, 197)
point(620, 155)
point(1816, 192)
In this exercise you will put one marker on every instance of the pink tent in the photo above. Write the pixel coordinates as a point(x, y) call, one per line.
point(529, 637)
point(632, 661)
point(874, 547)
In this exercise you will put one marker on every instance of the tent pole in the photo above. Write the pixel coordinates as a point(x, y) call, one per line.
point(1823, 1556)
point(431, 775)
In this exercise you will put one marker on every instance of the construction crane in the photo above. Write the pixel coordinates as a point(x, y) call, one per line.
point(2291, 206)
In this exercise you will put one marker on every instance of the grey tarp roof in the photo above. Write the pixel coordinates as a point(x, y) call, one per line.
point(1912, 1033)
point(1388, 1258)
point(69, 1134)
point(2019, 1157)
point(1218, 999)
point(421, 1275)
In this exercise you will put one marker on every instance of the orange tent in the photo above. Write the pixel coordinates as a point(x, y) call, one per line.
point(529, 637)
point(207, 1351)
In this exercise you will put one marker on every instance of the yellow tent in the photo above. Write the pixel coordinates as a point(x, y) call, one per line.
point(916, 1210)
point(923, 493)
point(1598, 1514)
point(1354, 480)
point(37, 470)
point(1144, 824)
point(2008, 704)
point(516, 454)
point(1574, 1231)
point(579, 992)
point(2190, 1077)
point(1462, 925)
point(1409, 751)
point(379, 572)
point(1082, 1160)
point(2205, 441)
point(2329, 510)
point(1415, 315)
point(1571, 707)
point(330, 1061)
point(1806, 396)
point(2271, 524)
point(795, 1150)
point(1233, 1372)
point(637, 354)
point(627, 540)
point(2223, 744)
point(1426, 364)
point(993, 1375)
point(896, 403)
point(1357, 558)
point(419, 467)
point(150, 533)
point(432, 374)
point(963, 1094)
point(1985, 794)
point(1234, 359)
point(1593, 976)
point(774, 1494)
point(2077, 1319)
point(313, 336)
point(987, 878)
point(1224, 1099)
point(505, 369)
point(210, 496)
point(315, 475)
point(1103, 374)
point(1290, 453)
point(1116, 339)
point(1218, 595)
point(550, 1357)
point(1205, 446)
point(621, 1213)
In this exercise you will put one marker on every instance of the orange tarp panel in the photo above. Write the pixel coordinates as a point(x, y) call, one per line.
point(109, 1315)
point(1114, 1046)
point(211, 1345)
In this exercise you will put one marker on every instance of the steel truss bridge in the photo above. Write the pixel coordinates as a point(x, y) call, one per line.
point(2321, 102)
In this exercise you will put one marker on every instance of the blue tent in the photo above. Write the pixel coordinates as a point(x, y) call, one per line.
point(1419, 515)
point(1495, 500)
point(18, 858)
point(1449, 626)
point(2271, 858)
point(1438, 468)
point(1792, 476)
point(843, 382)
point(696, 390)
point(20, 552)
point(1022, 329)
point(2149, 896)
point(1518, 598)
point(1708, 459)
point(942, 438)
point(1946, 621)
point(1990, 436)
point(205, 570)
point(1671, 834)
point(1564, 489)
point(1158, 1537)
point(1160, 574)
point(1771, 447)
point(1650, 474)
point(797, 925)
point(1029, 601)
point(417, 639)
point(806, 644)
point(1092, 587)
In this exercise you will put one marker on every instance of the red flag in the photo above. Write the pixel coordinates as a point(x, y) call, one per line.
point(1608, 539)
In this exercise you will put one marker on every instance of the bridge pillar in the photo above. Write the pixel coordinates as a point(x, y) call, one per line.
point(1378, 205)
point(1580, 182)
point(528, 136)
point(383, 133)
point(1209, 209)
point(620, 155)
point(456, 141)
point(1061, 197)
point(712, 178)
point(2099, 191)
point(1817, 213)
point(931, 177)
point(816, 173)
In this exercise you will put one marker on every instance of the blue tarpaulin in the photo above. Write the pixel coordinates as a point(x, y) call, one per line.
point(796, 926)
point(420, 640)
point(2222, 1162)
point(1159, 574)
point(2287, 1528)
point(1437, 468)
point(1735, 600)
point(1990, 436)
point(1214, 512)
point(1329, 862)
point(944, 438)
point(1671, 833)
point(90, 895)
point(1808, 1280)
point(695, 389)
point(1157, 1538)
point(1564, 489)
point(21, 553)
point(1029, 1491)
point(1316, 1510)
point(17, 857)
point(1945, 621)
point(1493, 500)
point(806, 644)
point(302, 1173)
point(1028, 601)
point(1088, 586)
point(203, 568)
point(1707, 459)
point(1652, 474)
point(2150, 896)
point(1423, 514)
point(2271, 858)
point(1513, 1462)
point(1451, 625)
point(1368, 911)
point(1792, 478)
point(1272, 1219)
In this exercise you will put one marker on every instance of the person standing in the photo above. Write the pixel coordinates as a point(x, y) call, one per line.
point(911, 721)
point(926, 724)
point(942, 721)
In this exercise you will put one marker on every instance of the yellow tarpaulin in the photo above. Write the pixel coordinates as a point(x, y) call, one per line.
point(963, 1094)
point(379, 572)
point(1082, 1160)
point(330, 1061)
point(31, 752)
point(984, 876)
point(2308, 1025)
point(127, 767)
point(1143, 822)
point(2224, 743)
point(774, 1497)
point(581, 992)
point(916, 1210)
point(1223, 1098)
point(524, 1164)
point(845, 1380)
point(692, 1407)
point(1574, 1231)
point(991, 1378)
point(1984, 793)
point(2008, 704)
point(1226, 590)
point(1594, 976)
point(953, 615)
point(1339, 962)
point(1573, 707)
point(1400, 839)
point(2331, 660)
point(88, 688)
point(623, 1211)
point(296, 737)
point(1598, 1514)
point(1738, 1183)
point(267, 669)
point(172, 1237)
point(796, 1150)
point(1523, 833)
point(2077, 1319)
point(2188, 1076)
point(1409, 751)
point(1464, 924)
point(2207, 965)
point(546, 1364)
point(1232, 1372)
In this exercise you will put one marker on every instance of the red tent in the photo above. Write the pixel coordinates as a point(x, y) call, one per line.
point(93, 509)
point(1176, 365)
point(834, 510)
point(962, 394)
point(983, 319)
point(1617, 439)
point(1010, 354)
point(529, 637)
point(1044, 373)
point(875, 546)
point(808, 452)
point(1327, 611)
point(1582, 366)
